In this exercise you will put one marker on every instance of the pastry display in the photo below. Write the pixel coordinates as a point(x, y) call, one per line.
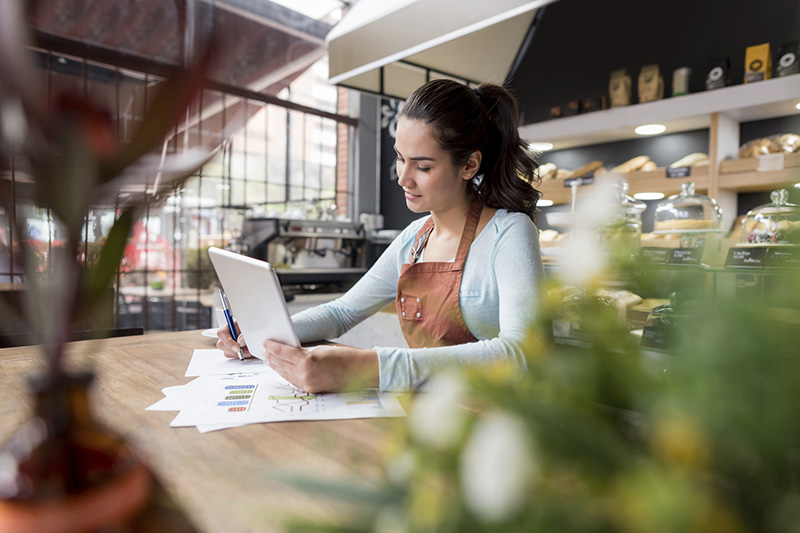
point(631, 165)
point(788, 142)
point(691, 160)
point(775, 144)
point(687, 211)
point(775, 223)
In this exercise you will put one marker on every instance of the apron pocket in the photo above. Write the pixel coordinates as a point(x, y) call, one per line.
point(410, 308)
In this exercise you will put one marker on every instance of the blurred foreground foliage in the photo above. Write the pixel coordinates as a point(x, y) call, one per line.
point(602, 435)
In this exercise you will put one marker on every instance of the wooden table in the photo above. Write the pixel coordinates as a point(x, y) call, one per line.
point(226, 480)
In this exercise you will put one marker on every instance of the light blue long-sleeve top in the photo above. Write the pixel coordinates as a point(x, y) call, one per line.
point(498, 298)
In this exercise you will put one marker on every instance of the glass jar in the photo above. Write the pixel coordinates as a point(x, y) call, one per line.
point(774, 223)
point(687, 211)
point(622, 235)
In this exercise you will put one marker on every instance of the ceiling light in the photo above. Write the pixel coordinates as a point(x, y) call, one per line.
point(540, 147)
point(548, 203)
point(649, 195)
point(798, 105)
point(650, 129)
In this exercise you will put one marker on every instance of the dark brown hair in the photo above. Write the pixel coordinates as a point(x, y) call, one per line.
point(465, 120)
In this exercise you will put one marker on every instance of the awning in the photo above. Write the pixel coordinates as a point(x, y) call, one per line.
point(391, 47)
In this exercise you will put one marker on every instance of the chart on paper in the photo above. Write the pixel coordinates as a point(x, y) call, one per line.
point(266, 397)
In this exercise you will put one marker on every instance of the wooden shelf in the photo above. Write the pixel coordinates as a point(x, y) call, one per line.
point(651, 181)
point(743, 103)
point(742, 175)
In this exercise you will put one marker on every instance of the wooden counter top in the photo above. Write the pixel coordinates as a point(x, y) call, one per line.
point(226, 480)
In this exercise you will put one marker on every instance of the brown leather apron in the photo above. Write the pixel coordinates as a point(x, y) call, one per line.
point(427, 292)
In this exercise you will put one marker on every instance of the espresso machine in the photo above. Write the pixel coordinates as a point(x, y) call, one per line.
point(308, 255)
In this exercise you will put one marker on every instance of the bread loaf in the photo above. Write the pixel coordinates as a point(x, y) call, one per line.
point(547, 171)
point(788, 142)
point(647, 167)
point(630, 165)
point(585, 169)
point(691, 160)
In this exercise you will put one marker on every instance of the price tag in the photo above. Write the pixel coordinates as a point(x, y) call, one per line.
point(657, 337)
point(583, 180)
point(746, 257)
point(783, 257)
point(654, 256)
point(679, 172)
point(769, 162)
point(685, 256)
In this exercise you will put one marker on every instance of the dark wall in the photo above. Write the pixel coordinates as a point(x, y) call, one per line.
point(578, 43)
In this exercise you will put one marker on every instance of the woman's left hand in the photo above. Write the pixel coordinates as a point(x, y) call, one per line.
point(324, 368)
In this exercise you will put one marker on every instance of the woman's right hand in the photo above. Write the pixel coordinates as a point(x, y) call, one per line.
point(229, 346)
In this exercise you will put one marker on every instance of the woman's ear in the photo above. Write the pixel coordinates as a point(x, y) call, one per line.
point(473, 165)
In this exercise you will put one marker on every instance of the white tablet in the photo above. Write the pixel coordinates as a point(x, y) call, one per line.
point(256, 299)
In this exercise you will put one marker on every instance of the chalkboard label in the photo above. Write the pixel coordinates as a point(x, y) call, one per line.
point(746, 257)
point(583, 180)
point(657, 337)
point(679, 172)
point(685, 256)
point(654, 256)
point(788, 257)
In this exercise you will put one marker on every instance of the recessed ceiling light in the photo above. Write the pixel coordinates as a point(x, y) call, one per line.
point(650, 129)
point(548, 203)
point(798, 105)
point(649, 195)
point(540, 147)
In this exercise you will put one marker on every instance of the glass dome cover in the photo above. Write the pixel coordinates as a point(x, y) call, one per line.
point(687, 211)
point(775, 223)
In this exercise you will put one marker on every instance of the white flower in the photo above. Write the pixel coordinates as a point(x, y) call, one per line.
point(437, 416)
point(583, 261)
point(497, 467)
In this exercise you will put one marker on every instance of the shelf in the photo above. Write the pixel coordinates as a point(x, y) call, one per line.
point(651, 181)
point(742, 175)
point(753, 101)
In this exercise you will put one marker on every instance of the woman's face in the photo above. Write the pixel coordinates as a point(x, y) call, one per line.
point(430, 180)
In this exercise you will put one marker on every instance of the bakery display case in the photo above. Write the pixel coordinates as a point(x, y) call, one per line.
point(776, 223)
point(687, 211)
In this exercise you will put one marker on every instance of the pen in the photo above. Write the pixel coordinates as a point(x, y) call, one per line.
point(226, 310)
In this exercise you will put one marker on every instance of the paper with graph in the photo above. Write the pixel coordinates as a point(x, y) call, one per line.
point(266, 397)
point(231, 393)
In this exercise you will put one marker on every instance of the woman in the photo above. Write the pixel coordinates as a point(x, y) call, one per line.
point(464, 279)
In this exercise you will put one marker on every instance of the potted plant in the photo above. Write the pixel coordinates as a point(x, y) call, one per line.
point(62, 471)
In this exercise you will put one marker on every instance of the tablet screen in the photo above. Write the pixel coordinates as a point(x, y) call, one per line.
point(256, 299)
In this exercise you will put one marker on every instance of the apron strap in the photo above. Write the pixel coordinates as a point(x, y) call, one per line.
point(468, 235)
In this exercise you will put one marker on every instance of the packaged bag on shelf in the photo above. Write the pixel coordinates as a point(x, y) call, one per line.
point(719, 73)
point(619, 88)
point(757, 63)
point(651, 84)
point(788, 59)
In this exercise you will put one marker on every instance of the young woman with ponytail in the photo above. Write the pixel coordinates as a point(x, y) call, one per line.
point(464, 279)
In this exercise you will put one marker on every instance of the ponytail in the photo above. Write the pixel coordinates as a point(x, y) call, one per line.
point(465, 120)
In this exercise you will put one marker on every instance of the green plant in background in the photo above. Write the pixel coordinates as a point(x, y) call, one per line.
point(76, 162)
point(602, 435)
point(199, 271)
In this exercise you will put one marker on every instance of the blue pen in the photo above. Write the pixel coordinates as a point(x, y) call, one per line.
point(226, 310)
